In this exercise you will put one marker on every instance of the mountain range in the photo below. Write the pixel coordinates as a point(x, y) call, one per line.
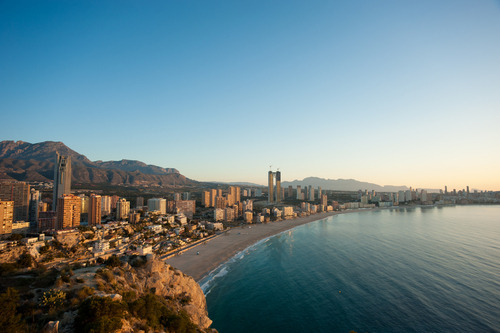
point(25, 161)
point(343, 185)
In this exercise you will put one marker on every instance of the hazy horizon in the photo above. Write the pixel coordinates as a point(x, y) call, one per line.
point(391, 93)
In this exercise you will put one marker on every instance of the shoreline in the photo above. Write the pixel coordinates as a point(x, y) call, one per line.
point(222, 248)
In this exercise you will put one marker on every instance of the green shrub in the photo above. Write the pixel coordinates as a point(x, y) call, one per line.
point(159, 316)
point(10, 320)
point(106, 275)
point(25, 260)
point(99, 315)
point(53, 299)
point(113, 261)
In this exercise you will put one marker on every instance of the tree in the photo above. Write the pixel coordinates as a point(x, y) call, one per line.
point(99, 315)
point(159, 316)
point(113, 261)
point(25, 260)
point(10, 321)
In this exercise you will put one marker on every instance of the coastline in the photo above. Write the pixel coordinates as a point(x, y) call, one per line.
point(220, 249)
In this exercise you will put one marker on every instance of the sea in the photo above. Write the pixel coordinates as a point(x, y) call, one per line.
point(419, 269)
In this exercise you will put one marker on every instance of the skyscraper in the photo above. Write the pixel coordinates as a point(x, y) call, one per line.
point(205, 198)
point(95, 209)
point(19, 193)
point(6, 217)
point(105, 205)
point(69, 208)
point(278, 186)
point(299, 192)
point(270, 185)
point(62, 178)
point(35, 199)
point(139, 202)
point(122, 209)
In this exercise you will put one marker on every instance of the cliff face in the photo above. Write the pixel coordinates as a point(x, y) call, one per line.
point(168, 282)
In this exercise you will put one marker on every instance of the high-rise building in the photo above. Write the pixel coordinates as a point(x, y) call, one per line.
point(299, 192)
point(324, 200)
point(213, 196)
point(159, 204)
point(139, 202)
point(114, 201)
point(247, 205)
point(220, 202)
point(95, 209)
point(270, 187)
point(85, 203)
point(68, 211)
point(408, 195)
point(423, 195)
point(62, 178)
point(186, 207)
point(105, 205)
point(19, 192)
point(205, 198)
point(237, 195)
point(35, 199)
point(278, 186)
point(310, 193)
point(401, 196)
point(47, 220)
point(6, 217)
point(134, 217)
point(122, 209)
point(231, 196)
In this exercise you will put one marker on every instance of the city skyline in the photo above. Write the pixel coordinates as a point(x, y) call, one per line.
point(388, 93)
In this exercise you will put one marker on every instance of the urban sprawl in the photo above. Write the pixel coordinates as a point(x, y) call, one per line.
point(94, 226)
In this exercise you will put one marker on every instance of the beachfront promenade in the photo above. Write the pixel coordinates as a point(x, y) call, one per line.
point(223, 247)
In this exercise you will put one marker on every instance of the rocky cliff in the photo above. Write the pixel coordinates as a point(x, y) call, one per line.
point(162, 279)
point(144, 287)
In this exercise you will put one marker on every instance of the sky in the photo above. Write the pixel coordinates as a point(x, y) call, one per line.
point(389, 92)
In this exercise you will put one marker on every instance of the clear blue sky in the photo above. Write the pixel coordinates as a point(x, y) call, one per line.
point(391, 92)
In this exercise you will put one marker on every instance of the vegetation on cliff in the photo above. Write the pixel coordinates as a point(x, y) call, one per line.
point(125, 294)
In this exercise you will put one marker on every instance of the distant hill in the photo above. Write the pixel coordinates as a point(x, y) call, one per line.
point(25, 161)
point(238, 184)
point(130, 165)
point(343, 185)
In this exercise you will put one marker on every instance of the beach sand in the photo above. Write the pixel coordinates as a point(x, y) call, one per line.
point(218, 250)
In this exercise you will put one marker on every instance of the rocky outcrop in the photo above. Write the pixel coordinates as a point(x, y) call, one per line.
point(154, 276)
point(162, 279)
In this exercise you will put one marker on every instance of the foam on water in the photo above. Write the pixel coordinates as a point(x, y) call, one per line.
point(209, 281)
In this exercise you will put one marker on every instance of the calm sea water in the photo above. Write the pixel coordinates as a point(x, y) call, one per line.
point(401, 270)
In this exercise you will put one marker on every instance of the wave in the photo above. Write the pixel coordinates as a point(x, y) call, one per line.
point(208, 282)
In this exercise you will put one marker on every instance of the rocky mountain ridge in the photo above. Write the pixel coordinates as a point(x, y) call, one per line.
point(25, 161)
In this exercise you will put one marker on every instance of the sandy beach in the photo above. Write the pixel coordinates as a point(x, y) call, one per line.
point(220, 249)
